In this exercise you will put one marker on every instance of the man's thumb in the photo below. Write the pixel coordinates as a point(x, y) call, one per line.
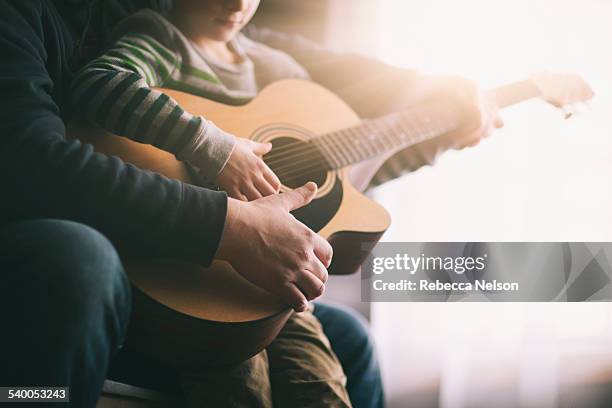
point(298, 197)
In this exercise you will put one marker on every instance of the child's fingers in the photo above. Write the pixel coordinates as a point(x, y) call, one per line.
point(235, 193)
point(271, 178)
point(264, 187)
point(251, 192)
point(261, 148)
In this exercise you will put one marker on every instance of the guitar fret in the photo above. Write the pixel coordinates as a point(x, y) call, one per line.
point(337, 144)
point(392, 136)
point(364, 136)
point(349, 144)
point(366, 131)
point(380, 134)
point(406, 129)
point(400, 132)
point(328, 152)
point(412, 128)
point(359, 148)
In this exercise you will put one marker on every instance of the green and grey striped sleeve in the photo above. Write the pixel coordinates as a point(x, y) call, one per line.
point(114, 91)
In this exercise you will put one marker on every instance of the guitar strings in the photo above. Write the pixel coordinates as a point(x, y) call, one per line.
point(307, 150)
point(289, 173)
point(300, 147)
point(283, 150)
point(304, 147)
point(387, 131)
point(328, 137)
point(313, 150)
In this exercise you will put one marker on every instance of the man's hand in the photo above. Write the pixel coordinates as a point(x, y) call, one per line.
point(245, 175)
point(273, 250)
point(479, 114)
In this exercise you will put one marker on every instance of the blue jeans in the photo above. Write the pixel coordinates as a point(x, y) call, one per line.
point(65, 306)
point(350, 339)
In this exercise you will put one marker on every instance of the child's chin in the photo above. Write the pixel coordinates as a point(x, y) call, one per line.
point(224, 34)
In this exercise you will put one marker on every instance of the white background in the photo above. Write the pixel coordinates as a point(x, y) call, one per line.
point(541, 178)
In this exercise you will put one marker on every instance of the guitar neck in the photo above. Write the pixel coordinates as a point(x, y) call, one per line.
point(516, 92)
point(373, 137)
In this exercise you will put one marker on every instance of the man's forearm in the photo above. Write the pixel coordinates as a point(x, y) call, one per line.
point(371, 87)
point(143, 213)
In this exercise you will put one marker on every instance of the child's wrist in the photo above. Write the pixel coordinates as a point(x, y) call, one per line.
point(213, 153)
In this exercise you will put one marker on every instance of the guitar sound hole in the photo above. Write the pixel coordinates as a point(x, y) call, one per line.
point(296, 162)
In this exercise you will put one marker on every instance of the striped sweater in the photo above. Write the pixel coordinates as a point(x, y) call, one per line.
point(115, 91)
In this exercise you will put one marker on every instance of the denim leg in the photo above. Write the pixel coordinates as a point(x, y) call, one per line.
point(350, 339)
point(64, 306)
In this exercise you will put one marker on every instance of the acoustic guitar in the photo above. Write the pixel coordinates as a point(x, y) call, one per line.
point(193, 316)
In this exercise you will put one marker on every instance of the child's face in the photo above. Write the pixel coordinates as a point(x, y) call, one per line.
point(219, 20)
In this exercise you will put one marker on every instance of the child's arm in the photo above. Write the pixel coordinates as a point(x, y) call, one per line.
point(114, 91)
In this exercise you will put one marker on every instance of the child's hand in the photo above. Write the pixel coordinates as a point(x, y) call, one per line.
point(245, 175)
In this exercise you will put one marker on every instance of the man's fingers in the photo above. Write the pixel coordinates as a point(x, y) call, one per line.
point(323, 250)
point(467, 91)
point(493, 112)
point(294, 297)
point(235, 193)
point(318, 270)
point(251, 192)
point(310, 285)
point(481, 125)
point(298, 197)
point(264, 187)
point(482, 133)
point(498, 122)
point(474, 120)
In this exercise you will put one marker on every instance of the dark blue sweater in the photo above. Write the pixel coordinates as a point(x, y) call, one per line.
point(46, 176)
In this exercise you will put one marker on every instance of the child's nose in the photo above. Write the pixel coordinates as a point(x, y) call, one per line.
point(235, 5)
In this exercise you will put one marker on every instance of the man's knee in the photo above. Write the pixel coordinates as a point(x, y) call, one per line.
point(69, 270)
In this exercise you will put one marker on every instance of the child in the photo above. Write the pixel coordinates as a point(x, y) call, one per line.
point(199, 49)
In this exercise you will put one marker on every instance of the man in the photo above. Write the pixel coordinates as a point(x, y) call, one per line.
point(66, 212)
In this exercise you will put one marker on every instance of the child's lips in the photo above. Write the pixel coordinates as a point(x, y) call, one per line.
point(228, 23)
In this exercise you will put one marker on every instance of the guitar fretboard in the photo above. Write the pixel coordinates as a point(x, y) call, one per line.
point(373, 137)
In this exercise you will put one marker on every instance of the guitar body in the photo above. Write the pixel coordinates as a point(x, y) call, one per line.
point(194, 316)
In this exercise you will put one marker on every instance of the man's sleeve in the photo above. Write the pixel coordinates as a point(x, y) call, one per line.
point(47, 176)
point(371, 87)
